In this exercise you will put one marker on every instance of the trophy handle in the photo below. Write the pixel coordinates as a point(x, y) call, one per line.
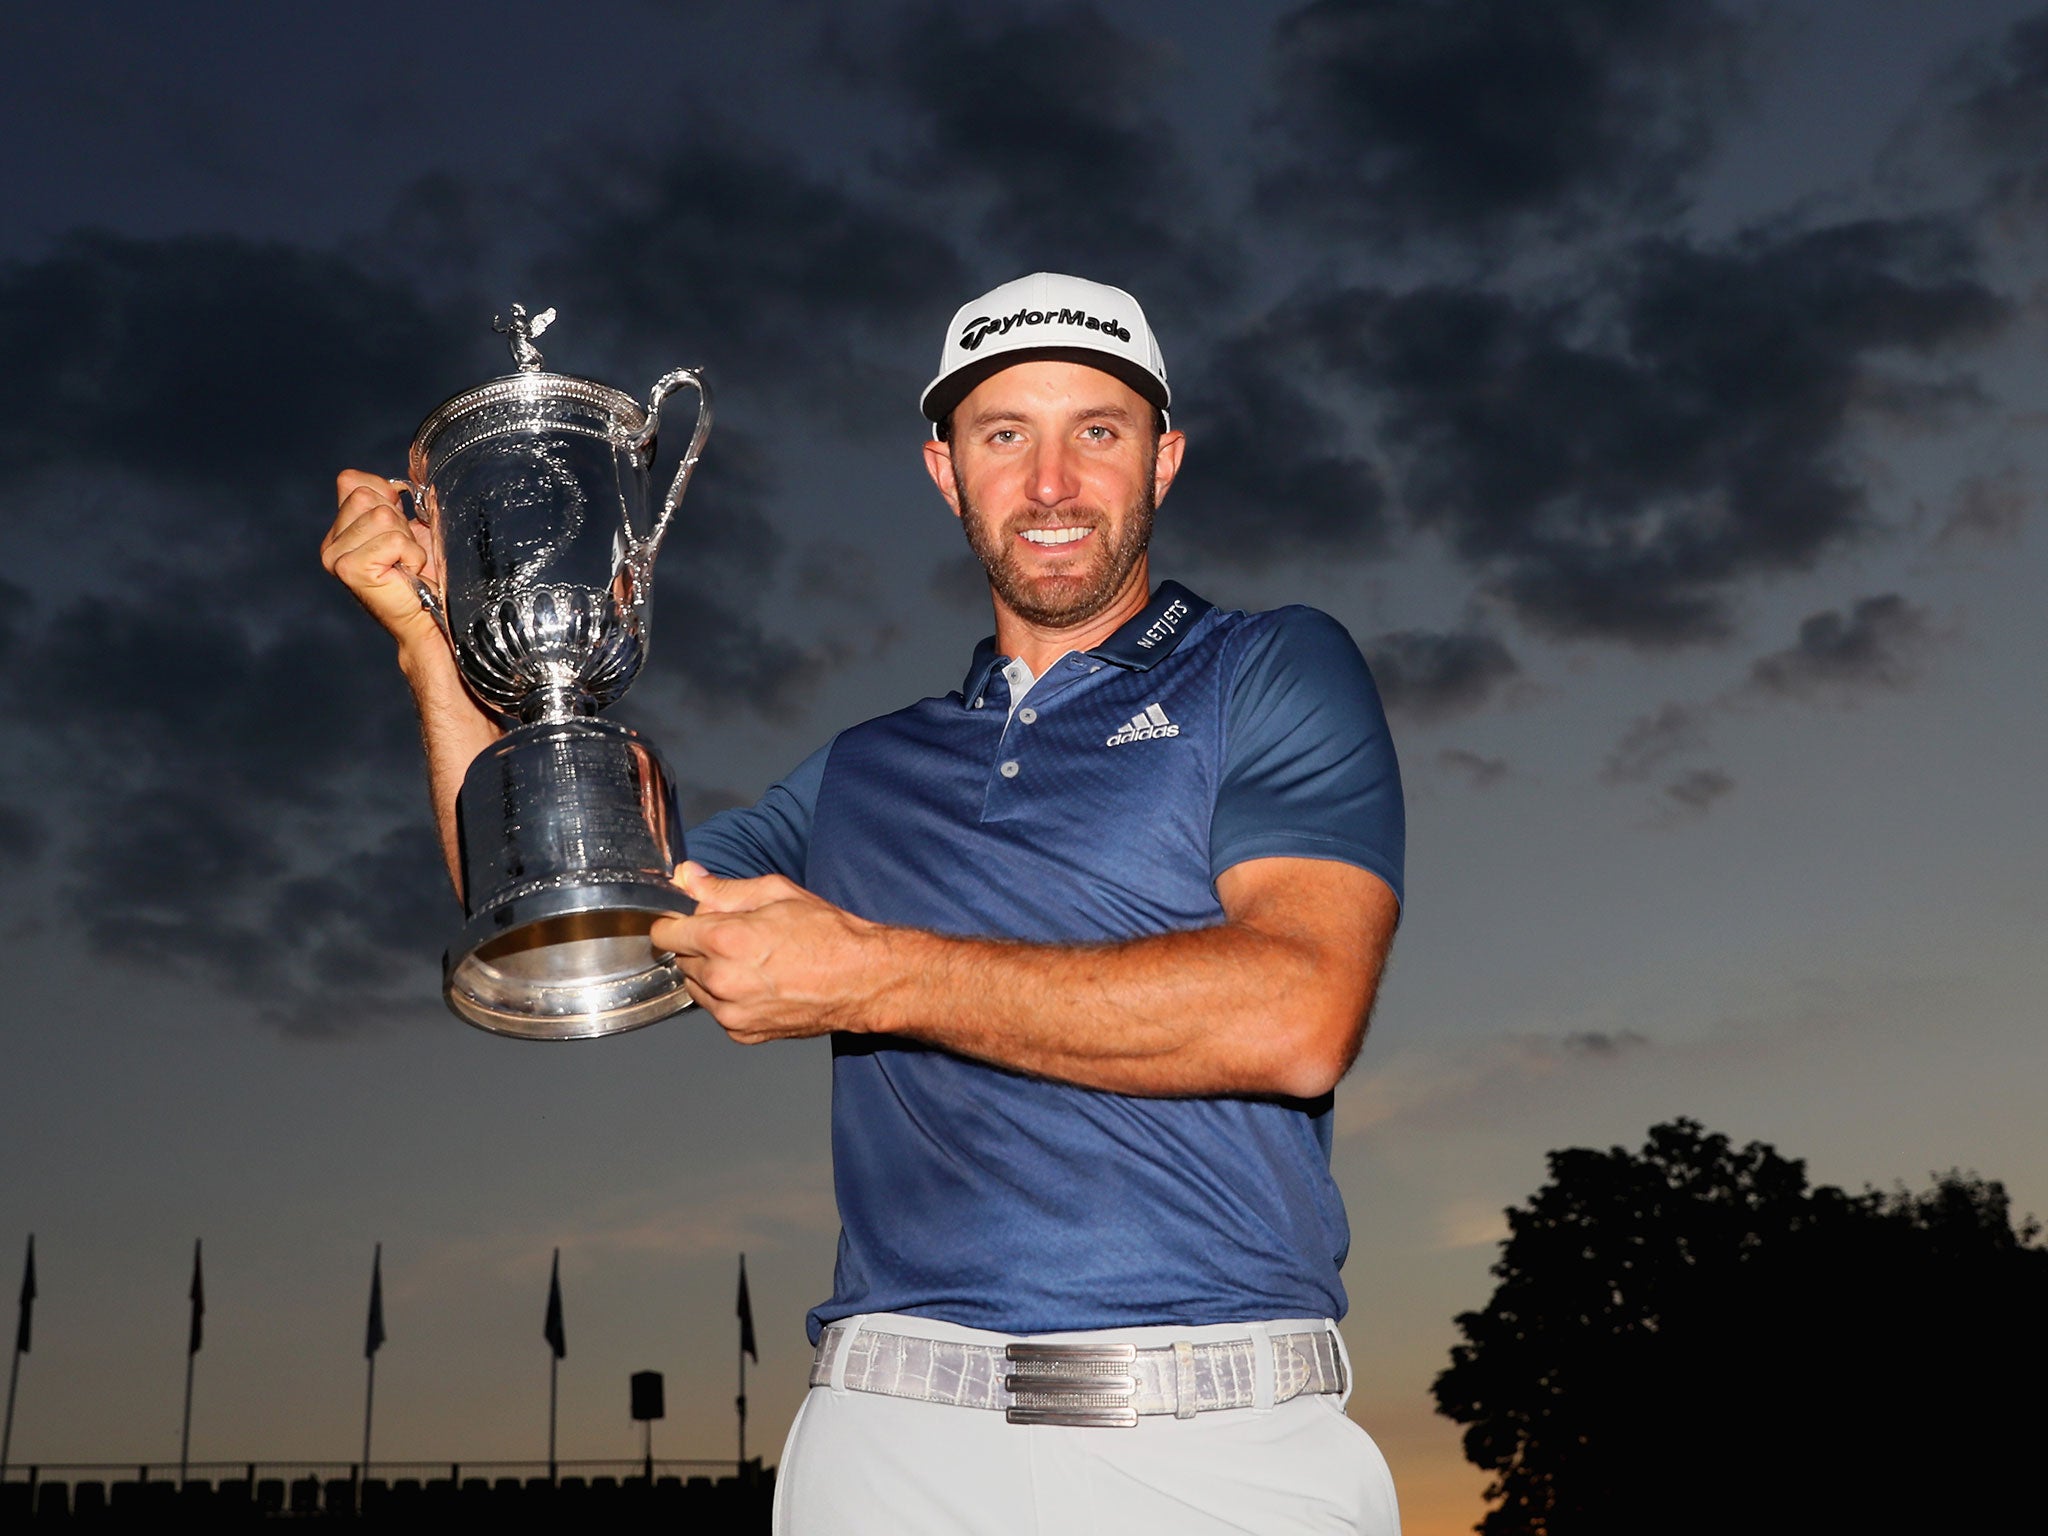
point(429, 598)
point(667, 385)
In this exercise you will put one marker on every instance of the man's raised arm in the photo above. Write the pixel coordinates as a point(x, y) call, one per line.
point(1273, 1000)
point(374, 550)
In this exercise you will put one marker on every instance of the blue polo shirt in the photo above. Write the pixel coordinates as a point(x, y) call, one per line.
point(1101, 807)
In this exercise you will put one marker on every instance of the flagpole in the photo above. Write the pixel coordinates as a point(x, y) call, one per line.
point(191, 1357)
point(558, 1346)
point(7, 1436)
point(373, 1340)
point(369, 1396)
point(28, 1301)
point(185, 1436)
point(745, 1309)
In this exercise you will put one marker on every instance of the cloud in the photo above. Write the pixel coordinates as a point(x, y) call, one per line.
point(1472, 1223)
point(960, 582)
point(14, 601)
point(1653, 740)
point(1603, 1043)
point(1483, 772)
point(717, 558)
point(1988, 509)
point(1997, 108)
point(193, 884)
point(169, 882)
point(389, 898)
point(1270, 472)
point(1039, 133)
point(835, 571)
point(1617, 459)
point(218, 745)
point(1465, 118)
point(237, 366)
point(735, 661)
point(248, 807)
point(1430, 675)
point(1420, 1088)
point(775, 1204)
point(447, 233)
point(1698, 790)
point(169, 685)
point(762, 1219)
point(212, 742)
point(1880, 642)
point(777, 279)
point(22, 836)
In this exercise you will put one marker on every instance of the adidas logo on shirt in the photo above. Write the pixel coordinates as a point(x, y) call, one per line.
point(1146, 727)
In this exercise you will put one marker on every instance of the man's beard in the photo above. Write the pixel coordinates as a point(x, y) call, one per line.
point(1067, 600)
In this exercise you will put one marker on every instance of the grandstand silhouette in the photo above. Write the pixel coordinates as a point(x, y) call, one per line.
point(103, 1497)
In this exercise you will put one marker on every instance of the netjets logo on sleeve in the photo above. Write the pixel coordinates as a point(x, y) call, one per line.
point(1150, 726)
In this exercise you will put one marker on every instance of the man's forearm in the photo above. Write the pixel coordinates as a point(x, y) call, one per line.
point(453, 730)
point(1272, 1000)
point(384, 559)
point(1213, 1011)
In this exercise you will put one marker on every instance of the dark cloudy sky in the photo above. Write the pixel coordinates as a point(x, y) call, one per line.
point(1650, 385)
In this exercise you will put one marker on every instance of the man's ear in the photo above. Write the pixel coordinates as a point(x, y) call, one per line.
point(1166, 463)
point(938, 463)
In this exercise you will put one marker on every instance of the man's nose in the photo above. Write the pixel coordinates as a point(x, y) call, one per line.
point(1052, 475)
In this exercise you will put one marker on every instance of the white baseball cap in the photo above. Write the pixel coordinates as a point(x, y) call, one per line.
point(1047, 314)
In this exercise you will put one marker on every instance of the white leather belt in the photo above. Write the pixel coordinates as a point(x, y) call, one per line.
point(1091, 1385)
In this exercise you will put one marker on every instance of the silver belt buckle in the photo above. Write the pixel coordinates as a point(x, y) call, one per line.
point(1083, 1385)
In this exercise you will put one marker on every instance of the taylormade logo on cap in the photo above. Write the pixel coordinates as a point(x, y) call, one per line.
point(981, 328)
point(1047, 314)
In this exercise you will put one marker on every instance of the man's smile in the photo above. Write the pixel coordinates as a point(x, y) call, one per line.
point(1047, 538)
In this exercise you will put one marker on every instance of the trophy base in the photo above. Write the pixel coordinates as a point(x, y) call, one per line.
point(576, 972)
point(569, 834)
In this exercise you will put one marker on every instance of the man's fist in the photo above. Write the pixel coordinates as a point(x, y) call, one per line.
point(376, 552)
point(769, 960)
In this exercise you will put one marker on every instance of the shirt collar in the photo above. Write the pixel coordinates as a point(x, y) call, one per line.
point(1145, 640)
point(1151, 634)
point(985, 661)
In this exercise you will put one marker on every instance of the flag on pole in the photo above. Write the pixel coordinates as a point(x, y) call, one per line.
point(198, 1302)
point(373, 1337)
point(552, 1331)
point(746, 1310)
point(28, 1299)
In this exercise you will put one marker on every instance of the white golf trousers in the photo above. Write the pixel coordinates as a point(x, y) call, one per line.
point(863, 1464)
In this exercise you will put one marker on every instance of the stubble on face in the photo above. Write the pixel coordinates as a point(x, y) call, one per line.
point(1059, 602)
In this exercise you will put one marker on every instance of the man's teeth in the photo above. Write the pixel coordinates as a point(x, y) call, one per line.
point(1055, 535)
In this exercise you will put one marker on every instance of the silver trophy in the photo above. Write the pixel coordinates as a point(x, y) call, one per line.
point(534, 491)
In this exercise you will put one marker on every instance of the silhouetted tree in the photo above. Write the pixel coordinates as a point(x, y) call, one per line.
point(1689, 1338)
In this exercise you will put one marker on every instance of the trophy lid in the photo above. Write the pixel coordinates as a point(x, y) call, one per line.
point(520, 331)
point(528, 400)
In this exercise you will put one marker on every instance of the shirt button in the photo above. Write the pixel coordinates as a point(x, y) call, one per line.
point(1028, 715)
point(1009, 769)
point(979, 702)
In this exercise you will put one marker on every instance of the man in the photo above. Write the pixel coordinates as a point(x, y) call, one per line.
point(1095, 938)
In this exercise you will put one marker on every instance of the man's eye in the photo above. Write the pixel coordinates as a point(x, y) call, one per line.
point(1097, 434)
point(1003, 435)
